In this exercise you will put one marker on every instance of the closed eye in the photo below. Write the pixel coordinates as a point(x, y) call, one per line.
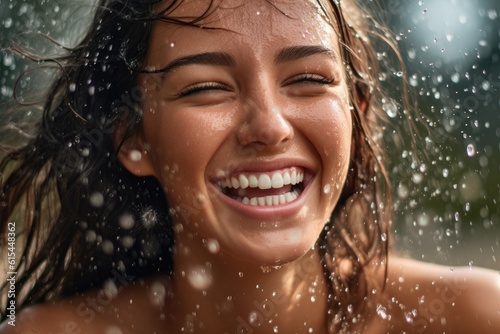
point(202, 88)
point(310, 78)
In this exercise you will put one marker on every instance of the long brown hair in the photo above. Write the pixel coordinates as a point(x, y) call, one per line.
point(85, 218)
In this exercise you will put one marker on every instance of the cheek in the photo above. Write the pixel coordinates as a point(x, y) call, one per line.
point(328, 126)
point(182, 142)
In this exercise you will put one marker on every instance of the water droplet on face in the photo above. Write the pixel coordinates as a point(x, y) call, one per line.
point(253, 319)
point(172, 45)
point(200, 278)
point(275, 329)
point(135, 155)
point(383, 236)
point(265, 269)
point(212, 246)
point(113, 330)
point(326, 189)
point(381, 311)
point(471, 151)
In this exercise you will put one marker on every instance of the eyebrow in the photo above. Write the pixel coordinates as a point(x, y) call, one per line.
point(297, 52)
point(287, 54)
point(206, 58)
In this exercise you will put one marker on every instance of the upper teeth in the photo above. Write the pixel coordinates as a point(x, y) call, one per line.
point(276, 179)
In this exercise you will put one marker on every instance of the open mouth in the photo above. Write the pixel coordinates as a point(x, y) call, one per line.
point(264, 189)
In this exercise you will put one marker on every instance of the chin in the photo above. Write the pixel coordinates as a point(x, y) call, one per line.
point(272, 249)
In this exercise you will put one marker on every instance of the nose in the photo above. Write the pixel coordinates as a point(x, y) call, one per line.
point(265, 123)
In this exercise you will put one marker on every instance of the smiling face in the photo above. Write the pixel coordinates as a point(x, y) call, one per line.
point(248, 129)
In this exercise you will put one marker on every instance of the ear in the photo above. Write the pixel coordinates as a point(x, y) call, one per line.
point(363, 106)
point(133, 152)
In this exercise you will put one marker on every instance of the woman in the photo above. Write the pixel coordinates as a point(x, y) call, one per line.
point(216, 170)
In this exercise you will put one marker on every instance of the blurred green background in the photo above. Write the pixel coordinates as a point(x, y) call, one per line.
point(447, 204)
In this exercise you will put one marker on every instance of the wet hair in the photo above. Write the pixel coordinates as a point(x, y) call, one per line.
point(83, 218)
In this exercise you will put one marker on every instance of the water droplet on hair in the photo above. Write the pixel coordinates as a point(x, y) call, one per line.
point(127, 241)
point(253, 319)
point(72, 87)
point(96, 199)
point(126, 221)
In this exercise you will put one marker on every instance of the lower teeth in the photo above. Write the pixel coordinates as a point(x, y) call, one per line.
point(270, 200)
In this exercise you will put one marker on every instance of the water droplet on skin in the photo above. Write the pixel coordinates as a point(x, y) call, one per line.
point(253, 318)
point(113, 330)
point(200, 278)
point(172, 45)
point(471, 151)
point(275, 329)
point(409, 317)
point(383, 236)
point(240, 274)
point(135, 155)
point(213, 246)
point(381, 311)
point(265, 269)
point(326, 189)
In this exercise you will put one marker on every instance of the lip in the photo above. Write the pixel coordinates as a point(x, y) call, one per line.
point(268, 212)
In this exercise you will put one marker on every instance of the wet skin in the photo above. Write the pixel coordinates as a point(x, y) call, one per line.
point(265, 94)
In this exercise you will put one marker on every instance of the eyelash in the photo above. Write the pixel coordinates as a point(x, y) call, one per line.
point(314, 78)
point(201, 87)
point(205, 86)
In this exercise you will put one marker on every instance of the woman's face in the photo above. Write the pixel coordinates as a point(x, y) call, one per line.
point(248, 129)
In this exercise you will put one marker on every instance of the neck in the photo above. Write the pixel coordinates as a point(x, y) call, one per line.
point(220, 294)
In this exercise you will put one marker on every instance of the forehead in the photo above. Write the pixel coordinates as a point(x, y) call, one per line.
point(257, 24)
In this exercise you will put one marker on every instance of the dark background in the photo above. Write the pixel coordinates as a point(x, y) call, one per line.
point(447, 190)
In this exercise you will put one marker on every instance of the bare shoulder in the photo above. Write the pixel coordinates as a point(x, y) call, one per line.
point(430, 298)
point(134, 308)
